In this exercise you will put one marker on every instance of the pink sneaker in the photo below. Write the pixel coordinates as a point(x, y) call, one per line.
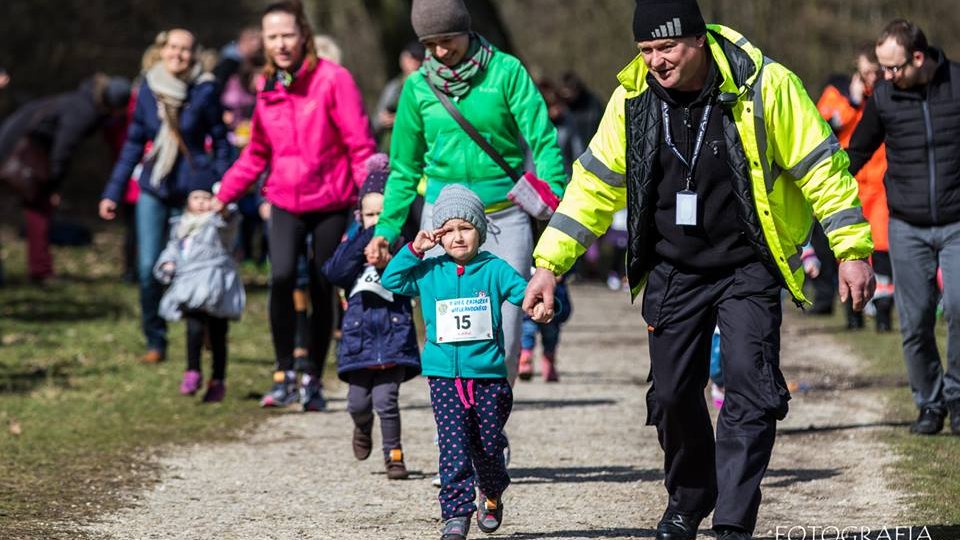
point(216, 390)
point(525, 368)
point(192, 379)
point(549, 366)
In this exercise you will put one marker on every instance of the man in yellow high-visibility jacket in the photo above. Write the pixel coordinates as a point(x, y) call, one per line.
point(722, 160)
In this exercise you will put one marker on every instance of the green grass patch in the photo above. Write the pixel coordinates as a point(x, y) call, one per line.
point(926, 468)
point(79, 415)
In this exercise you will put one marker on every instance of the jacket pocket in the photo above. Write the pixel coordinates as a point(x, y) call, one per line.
point(655, 296)
point(351, 341)
point(403, 339)
point(771, 386)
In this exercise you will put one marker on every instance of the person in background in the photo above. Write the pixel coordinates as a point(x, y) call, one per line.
point(912, 111)
point(584, 106)
point(842, 104)
point(328, 49)
point(309, 128)
point(494, 92)
point(37, 143)
point(178, 109)
point(239, 55)
point(411, 58)
point(373, 368)
point(204, 289)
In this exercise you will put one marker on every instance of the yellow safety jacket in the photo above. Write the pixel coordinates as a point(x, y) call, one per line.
point(786, 162)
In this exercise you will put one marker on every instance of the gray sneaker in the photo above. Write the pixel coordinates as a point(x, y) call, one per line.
point(489, 513)
point(283, 393)
point(455, 528)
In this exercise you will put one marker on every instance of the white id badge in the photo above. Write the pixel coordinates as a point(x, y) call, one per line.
point(464, 319)
point(686, 207)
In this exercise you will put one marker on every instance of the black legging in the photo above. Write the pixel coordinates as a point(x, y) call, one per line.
point(288, 233)
point(200, 325)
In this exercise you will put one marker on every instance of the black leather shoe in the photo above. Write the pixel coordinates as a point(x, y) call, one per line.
point(732, 534)
point(676, 526)
point(930, 422)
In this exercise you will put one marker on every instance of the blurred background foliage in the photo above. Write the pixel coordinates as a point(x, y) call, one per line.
point(51, 45)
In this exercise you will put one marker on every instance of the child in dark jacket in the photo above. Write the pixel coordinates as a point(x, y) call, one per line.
point(461, 295)
point(378, 348)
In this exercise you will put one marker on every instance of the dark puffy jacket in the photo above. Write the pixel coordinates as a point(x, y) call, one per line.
point(376, 333)
point(200, 116)
point(58, 123)
point(921, 127)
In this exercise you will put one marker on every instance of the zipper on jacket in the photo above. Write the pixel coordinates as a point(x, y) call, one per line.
point(456, 350)
point(931, 158)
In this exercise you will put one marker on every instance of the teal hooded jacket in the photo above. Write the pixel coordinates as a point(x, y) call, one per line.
point(441, 278)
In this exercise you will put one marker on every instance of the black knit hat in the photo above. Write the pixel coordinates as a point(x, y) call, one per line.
point(661, 19)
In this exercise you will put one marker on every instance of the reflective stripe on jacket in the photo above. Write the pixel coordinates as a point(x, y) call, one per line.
point(787, 167)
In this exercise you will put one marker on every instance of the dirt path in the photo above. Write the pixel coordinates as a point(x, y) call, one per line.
point(583, 464)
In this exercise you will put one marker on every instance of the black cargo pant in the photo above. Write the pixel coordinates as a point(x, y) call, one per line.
point(681, 310)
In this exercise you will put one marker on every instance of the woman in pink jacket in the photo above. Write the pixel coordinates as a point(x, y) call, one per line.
point(310, 129)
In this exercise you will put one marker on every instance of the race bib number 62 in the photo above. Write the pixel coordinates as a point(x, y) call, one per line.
point(464, 319)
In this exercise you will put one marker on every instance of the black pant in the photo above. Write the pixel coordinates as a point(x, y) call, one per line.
point(288, 233)
point(199, 326)
point(681, 310)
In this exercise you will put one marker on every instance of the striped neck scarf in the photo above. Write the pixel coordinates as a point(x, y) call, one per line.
point(455, 81)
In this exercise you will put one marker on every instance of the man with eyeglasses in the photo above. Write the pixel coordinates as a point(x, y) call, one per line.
point(916, 111)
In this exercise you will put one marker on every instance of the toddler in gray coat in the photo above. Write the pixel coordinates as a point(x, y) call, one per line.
point(205, 288)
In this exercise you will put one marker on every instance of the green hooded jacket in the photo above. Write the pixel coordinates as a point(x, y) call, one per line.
point(504, 105)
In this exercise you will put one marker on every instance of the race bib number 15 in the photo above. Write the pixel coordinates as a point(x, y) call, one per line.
point(464, 319)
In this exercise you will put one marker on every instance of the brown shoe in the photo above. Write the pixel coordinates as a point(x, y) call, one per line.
point(362, 442)
point(153, 356)
point(396, 470)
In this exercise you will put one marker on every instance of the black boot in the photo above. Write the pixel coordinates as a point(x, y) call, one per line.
point(884, 307)
point(854, 318)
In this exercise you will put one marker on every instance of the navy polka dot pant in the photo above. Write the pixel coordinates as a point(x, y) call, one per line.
point(470, 415)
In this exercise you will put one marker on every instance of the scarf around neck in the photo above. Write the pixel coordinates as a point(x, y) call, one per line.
point(171, 92)
point(191, 223)
point(455, 81)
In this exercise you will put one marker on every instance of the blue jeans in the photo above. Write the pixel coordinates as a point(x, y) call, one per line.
point(153, 225)
point(915, 253)
point(549, 333)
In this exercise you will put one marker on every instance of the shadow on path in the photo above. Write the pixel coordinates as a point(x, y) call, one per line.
point(577, 475)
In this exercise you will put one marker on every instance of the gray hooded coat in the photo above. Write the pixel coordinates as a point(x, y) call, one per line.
point(206, 278)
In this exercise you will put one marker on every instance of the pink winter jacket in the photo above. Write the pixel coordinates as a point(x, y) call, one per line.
point(314, 136)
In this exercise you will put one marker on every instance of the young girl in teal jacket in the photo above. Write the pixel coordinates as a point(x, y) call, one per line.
point(461, 294)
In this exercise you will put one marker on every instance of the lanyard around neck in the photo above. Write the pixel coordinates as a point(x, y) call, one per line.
point(690, 164)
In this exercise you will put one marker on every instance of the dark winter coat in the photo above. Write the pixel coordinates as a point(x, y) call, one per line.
point(921, 127)
point(376, 333)
point(56, 124)
point(200, 116)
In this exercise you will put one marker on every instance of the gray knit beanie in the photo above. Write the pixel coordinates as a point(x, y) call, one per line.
point(433, 18)
point(457, 201)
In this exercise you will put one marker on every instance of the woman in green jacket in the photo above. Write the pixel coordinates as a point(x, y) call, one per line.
point(495, 93)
